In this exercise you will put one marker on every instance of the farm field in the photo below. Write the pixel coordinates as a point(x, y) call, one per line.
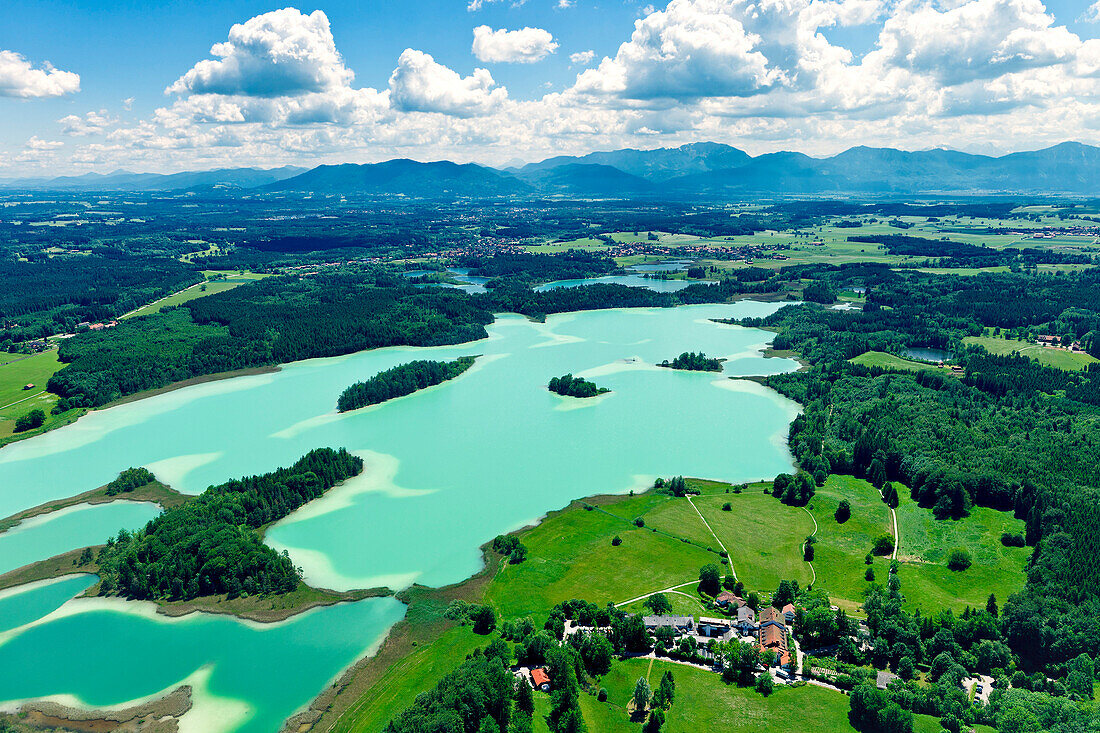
point(834, 247)
point(1045, 355)
point(194, 292)
point(18, 370)
point(927, 542)
point(890, 361)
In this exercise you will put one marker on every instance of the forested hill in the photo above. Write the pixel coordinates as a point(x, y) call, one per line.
point(274, 321)
point(209, 545)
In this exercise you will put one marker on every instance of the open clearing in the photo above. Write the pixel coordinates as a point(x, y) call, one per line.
point(883, 360)
point(17, 371)
point(1045, 355)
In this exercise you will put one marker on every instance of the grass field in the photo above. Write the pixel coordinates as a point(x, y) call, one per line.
point(402, 682)
point(570, 556)
point(1045, 355)
point(889, 361)
point(18, 370)
point(201, 290)
point(927, 542)
point(763, 536)
point(841, 548)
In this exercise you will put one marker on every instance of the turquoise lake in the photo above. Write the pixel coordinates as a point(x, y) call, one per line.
point(52, 534)
point(446, 469)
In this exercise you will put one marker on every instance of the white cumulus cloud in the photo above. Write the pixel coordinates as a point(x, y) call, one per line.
point(281, 53)
point(975, 39)
point(91, 123)
point(524, 46)
point(19, 78)
point(689, 50)
point(582, 58)
point(420, 84)
point(1092, 15)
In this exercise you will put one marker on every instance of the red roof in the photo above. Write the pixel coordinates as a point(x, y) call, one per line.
point(539, 677)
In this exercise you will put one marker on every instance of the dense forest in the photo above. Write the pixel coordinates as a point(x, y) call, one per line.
point(570, 386)
point(210, 545)
point(1009, 434)
point(693, 362)
point(401, 380)
point(274, 321)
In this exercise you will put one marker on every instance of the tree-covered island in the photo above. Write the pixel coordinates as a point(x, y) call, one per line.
point(401, 380)
point(570, 386)
point(693, 362)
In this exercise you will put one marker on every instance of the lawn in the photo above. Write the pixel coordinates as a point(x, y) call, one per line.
point(570, 556)
point(1045, 355)
point(18, 370)
point(888, 361)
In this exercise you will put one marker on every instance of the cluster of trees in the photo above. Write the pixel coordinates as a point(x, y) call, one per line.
point(510, 546)
point(676, 486)
point(570, 386)
point(694, 362)
point(796, 490)
point(130, 479)
point(401, 380)
point(210, 545)
point(29, 421)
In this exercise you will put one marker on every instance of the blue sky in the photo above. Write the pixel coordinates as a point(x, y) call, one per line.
point(812, 75)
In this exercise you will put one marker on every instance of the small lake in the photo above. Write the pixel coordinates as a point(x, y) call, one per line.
point(665, 266)
point(925, 353)
point(634, 281)
point(446, 469)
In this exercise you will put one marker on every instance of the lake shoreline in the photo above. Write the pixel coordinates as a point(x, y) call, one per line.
point(155, 492)
point(274, 368)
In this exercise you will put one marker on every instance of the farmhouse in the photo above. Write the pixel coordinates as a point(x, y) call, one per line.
point(726, 599)
point(540, 680)
point(681, 624)
point(746, 620)
point(714, 626)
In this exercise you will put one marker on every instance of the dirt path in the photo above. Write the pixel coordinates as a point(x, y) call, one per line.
point(811, 516)
point(11, 404)
point(728, 557)
point(653, 593)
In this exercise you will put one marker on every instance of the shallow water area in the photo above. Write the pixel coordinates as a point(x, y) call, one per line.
point(68, 529)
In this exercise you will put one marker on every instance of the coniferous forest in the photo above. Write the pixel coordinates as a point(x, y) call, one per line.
point(210, 545)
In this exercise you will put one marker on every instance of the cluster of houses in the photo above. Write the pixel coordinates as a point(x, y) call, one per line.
point(770, 629)
point(1056, 342)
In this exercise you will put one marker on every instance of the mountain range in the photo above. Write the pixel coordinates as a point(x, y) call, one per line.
point(709, 170)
